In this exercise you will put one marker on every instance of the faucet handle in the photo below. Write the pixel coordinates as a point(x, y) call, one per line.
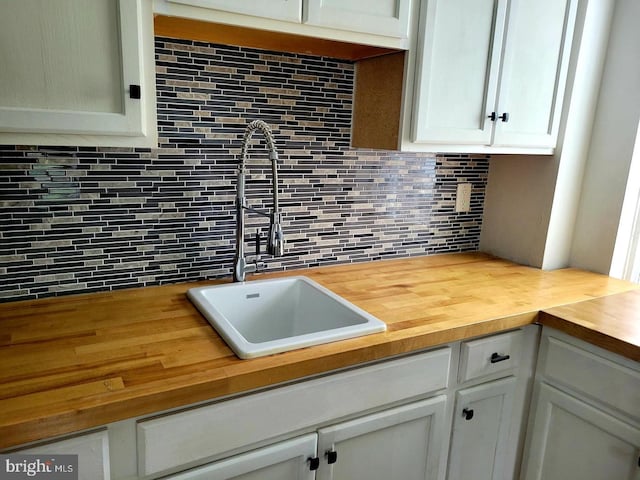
point(258, 238)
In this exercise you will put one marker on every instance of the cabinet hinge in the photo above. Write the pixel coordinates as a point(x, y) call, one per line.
point(314, 463)
point(134, 91)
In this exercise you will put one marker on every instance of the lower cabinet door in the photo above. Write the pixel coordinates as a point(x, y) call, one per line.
point(399, 443)
point(481, 425)
point(573, 440)
point(92, 450)
point(287, 460)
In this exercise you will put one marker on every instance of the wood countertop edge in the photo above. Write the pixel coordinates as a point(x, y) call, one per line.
point(591, 335)
point(132, 403)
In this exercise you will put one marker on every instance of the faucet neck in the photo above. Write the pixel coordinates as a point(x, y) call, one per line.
point(275, 240)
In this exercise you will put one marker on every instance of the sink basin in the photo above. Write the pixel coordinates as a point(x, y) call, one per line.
point(263, 317)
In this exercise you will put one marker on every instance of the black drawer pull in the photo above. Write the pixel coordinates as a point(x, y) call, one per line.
point(496, 357)
point(467, 413)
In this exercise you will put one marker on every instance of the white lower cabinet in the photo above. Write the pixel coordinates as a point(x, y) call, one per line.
point(573, 440)
point(481, 426)
point(585, 421)
point(288, 460)
point(403, 443)
point(92, 450)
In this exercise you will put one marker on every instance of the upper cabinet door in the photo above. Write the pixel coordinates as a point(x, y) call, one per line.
point(75, 67)
point(381, 17)
point(286, 10)
point(457, 71)
point(534, 71)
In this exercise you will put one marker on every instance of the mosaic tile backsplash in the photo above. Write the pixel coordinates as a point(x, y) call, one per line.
point(77, 219)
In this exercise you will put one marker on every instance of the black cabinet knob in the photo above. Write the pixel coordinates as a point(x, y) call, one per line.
point(504, 117)
point(492, 117)
point(135, 92)
point(332, 456)
point(467, 413)
point(314, 463)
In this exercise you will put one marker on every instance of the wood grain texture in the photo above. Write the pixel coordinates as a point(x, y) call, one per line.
point(188, 29)
point(377, 101)
point(612, 322)
point(80, 361)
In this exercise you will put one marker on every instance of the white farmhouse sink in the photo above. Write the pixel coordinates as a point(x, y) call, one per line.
point(269, 316)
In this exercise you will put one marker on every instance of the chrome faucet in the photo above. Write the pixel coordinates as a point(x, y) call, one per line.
point(275, 239)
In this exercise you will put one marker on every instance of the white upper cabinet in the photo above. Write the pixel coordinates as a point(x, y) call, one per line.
point(534, 72)
point(286, 10)
point(381, 17)
point(77, 73)
point(491, 73)
point(457, 71)
point(381, 23)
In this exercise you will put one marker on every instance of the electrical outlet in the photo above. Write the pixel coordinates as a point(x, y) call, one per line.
point(463, 197)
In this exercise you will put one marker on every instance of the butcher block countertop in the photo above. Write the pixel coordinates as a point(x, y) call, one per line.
point(80, 361)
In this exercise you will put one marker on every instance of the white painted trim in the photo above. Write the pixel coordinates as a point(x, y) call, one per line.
point(626, 253)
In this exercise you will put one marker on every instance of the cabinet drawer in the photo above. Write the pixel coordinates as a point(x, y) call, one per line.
point(192, 436)
point(490, 355)
point(92, 450)
point(588, 372)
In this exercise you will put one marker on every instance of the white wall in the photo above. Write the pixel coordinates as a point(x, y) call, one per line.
point(612, 144)
point(517, 207)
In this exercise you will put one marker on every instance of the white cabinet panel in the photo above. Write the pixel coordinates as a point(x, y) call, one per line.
point(481, 427)
point(492, 73)
point(591, 375)
point(534, 72)
point(186, 437)
point(92, 450)
point(381, 17)
point(490, 355)
point(286, 460)
point(457, 71)
point(573, 440)
point(401, 443)
point(287, 10)
point(74, 71)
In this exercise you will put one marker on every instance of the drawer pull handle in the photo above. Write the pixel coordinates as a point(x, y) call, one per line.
point(467, 413)
point(496, 357)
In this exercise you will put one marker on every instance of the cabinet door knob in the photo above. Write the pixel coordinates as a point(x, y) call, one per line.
point(467, 413)
point(492, 117)
point(135, 92)
point(496, 357)
point(504, 117)
point(314, 463)
point(332, 456)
